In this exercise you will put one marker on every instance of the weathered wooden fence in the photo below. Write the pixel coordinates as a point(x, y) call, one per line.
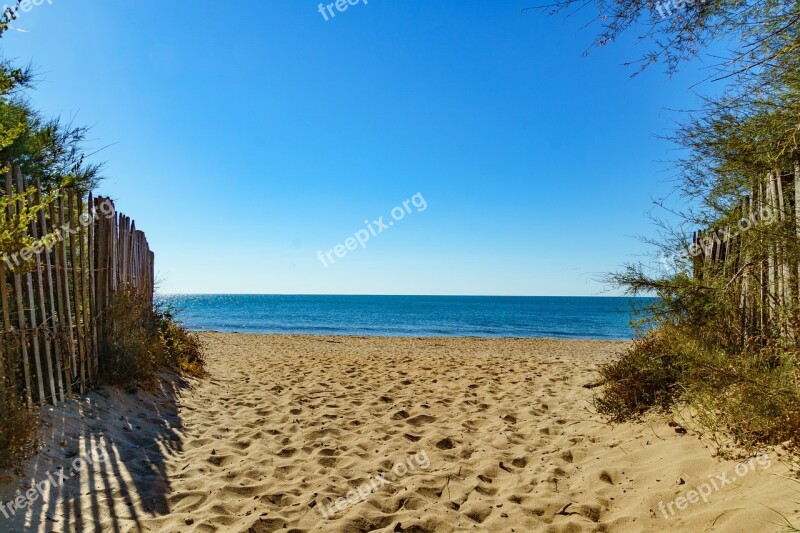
point(53, 321)
point(757, 253)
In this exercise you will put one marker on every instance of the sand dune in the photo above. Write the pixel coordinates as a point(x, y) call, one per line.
point(423, 435)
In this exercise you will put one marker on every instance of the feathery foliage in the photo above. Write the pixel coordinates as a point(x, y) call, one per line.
point(739, 373)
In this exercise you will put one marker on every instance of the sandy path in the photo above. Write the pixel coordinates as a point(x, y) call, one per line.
point(492, 435)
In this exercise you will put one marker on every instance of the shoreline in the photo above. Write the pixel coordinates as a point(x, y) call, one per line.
point(407, 337)
point(384, 434)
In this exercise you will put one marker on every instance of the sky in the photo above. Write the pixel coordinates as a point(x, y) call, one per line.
point(255, 141)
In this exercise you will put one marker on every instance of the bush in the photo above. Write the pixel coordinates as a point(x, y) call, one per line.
point(748, 396)
point(140, 340)
point(17, 427)
point(751, 396)
point(644, 377)
point(183, 349)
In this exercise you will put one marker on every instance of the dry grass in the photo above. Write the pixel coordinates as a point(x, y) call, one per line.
point(183, 350)
point(18, 426)
point(647, 376)
point(750, 397)
point(143, 341)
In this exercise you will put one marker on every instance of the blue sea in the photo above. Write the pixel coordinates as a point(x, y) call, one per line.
point(410, 316)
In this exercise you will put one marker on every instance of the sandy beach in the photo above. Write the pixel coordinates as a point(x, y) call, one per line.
point(349, 434)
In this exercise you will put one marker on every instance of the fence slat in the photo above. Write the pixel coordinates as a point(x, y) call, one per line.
point(92, 296)
point(48, 355)
point(52, 323)
point(6, 349)
point(85, 303)
point(21, 322)
point(37, 360)
point(76, 290)
point(67, 303)
point(65, 347)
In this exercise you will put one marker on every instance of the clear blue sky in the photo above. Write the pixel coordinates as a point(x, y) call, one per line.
point(250, 135)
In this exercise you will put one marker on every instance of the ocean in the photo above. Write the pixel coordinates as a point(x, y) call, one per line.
point(409, 316)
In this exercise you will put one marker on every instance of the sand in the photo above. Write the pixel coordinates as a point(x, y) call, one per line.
point(423, 435)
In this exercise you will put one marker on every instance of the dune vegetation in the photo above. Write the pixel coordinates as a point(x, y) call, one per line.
point(723, 337)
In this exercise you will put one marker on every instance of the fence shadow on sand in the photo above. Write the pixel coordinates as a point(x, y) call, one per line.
point(120, 443)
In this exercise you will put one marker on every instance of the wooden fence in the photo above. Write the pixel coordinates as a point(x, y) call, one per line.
point(757, 255)
point(53, 309)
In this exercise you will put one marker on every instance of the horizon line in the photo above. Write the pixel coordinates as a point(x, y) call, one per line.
point(400, 295)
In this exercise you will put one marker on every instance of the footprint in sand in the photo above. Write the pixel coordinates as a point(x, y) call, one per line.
point(287, 452)
point(605, 477)
point(220, 460)
point(485, 491)
point(328, 462)
point(446, 444)
point(520, 462)
point(267, 525)
point(420, 420)
point(479, 515)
